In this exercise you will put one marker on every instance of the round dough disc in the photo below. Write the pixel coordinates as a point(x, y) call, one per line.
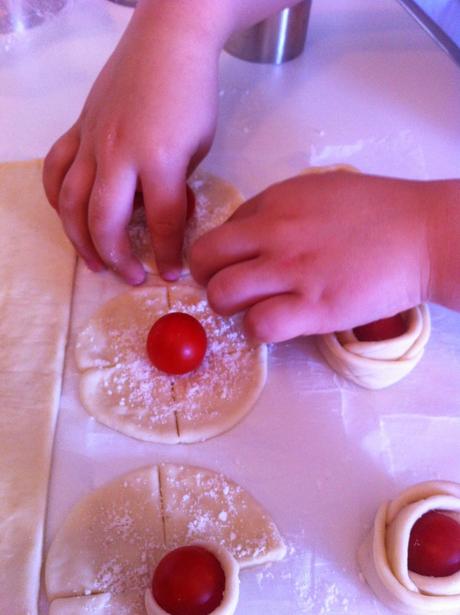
point(123, 390)
point(104, 554)
point(215, 201)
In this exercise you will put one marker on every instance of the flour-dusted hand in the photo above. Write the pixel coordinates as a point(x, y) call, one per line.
point(147, 122)
point(326, 252)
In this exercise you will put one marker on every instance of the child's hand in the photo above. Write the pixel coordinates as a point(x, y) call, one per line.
point(319, 253)
point(149, 119)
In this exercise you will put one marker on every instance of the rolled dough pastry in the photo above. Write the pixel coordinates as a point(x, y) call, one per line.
point(104, 554)
point(375, 365)
point(37, 268)
point(232, 583)
point(122, 389)
point(215, 201)
point(384, 554)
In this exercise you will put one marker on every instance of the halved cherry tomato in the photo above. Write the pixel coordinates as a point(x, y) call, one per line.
point(434, 545)
point(177, 343)
point(189, 581)
point(384, 329)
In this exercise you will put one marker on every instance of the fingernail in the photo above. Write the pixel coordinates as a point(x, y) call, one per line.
point(171, 276)
point(136, 277)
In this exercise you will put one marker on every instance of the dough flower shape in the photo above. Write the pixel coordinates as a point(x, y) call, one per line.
point(383, 556)
point(376, 365)
point(102, 558)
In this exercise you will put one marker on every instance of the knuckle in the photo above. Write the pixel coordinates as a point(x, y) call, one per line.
point(98, 225)
point(67, 200)
point(57, 150)
point(259, 326)
point(161, 156)
point(112, 140)
point(217, 295)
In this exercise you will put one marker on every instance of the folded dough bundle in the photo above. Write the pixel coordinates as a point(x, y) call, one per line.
point(376, 365)
point(383, 557)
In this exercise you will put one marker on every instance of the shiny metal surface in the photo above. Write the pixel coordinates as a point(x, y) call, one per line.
point(441, 19)
point(125, 2)
point(19, 15)
point(275, 40)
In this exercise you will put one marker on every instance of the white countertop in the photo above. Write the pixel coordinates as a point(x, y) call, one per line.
point(373, 90)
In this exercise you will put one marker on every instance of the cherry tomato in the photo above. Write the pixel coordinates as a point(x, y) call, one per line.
point(176, 343)
point(189, 581)
point(384, 329)
point(191, 202)
point(434, 545)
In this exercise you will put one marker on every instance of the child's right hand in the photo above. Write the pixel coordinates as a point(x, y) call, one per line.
point(326, 252)
point(148, 121)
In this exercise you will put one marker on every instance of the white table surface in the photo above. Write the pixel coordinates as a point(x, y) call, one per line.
point(320, 454)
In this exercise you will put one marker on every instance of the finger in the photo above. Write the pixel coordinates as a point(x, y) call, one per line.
point(165, 202)
point(109, 212)
point(73, 204)
point(278, 318)
point(246, 209)
point(58, 162)
point(226, 245)
point(240, 286)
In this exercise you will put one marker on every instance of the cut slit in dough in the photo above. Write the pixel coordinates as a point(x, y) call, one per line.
point(375, 365)
point(383, 555)
point(215, 202)
point(122, 389)
point(104, 554)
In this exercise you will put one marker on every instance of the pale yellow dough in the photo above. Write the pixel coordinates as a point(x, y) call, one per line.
point(123, 390)
point(37, 267)
point(103, 556)
point(375, 365)
point(215, 201)
point(383, 555)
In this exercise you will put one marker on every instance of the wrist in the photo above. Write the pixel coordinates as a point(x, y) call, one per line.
point(214, 20)
point(444, 243)
point(208, 23)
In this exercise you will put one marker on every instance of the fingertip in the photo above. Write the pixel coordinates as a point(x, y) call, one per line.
point(95, 266)
point(134, 273)
point(171, 275)
point(137, 279)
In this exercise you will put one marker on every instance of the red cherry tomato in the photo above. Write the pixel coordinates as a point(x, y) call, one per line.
point(191, 202)
point(189, 581)
point(384, 329)
point(176, 343)
point(434, 545)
